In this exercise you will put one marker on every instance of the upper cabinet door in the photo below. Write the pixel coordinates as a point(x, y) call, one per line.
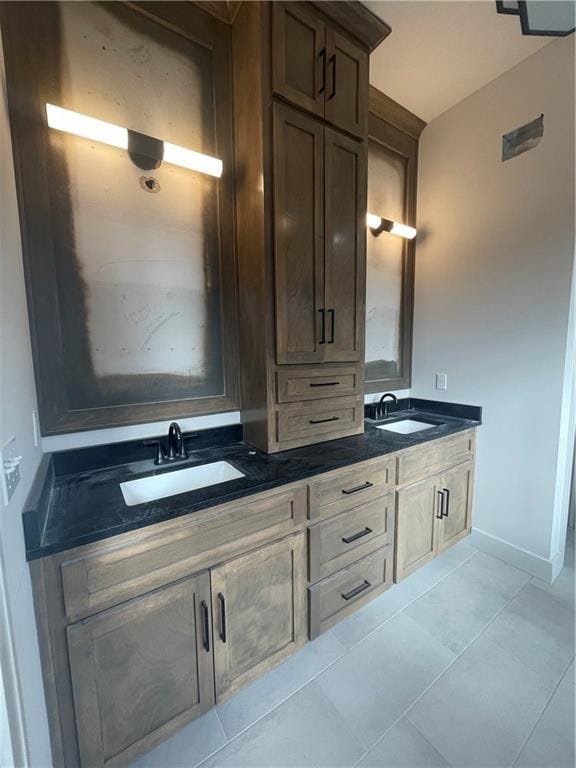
point(141, 670)
point(346, 84)
point(259, 608)
point(299, 56)
point(298, 237)
point(345, 246)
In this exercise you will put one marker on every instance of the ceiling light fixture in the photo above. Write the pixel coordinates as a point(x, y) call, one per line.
point(376, 225)
point(145, 151)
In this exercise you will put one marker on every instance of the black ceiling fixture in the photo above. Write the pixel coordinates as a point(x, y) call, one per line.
point(548, 18)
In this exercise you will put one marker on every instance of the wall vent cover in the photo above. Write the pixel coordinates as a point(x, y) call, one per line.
point(522, 139)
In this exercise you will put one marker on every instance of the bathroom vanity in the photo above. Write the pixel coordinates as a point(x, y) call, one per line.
point(151, 613)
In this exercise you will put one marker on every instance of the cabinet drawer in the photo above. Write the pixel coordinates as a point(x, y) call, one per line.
point(425, 460)
point(109, 576)
point(318, 383)
point(340, 541)
point(301, 423)
point(344, 490)
point(339, 595)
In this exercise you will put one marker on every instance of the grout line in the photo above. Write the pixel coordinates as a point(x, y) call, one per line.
point(436, 679)
point(527, 739)
point(346, 651)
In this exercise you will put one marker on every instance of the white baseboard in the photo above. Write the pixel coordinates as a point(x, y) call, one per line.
point(544, 569)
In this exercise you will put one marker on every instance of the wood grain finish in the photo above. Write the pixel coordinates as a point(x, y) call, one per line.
point(259, 608)
point(416, 527)
point(337, 596)
point(296, 384)
point(424, 460)
point(138, 669)
point(338, 542)
point(299, 56)
point(346, 84)
point(308, 422)
point(112, 574)
point(383, 107)
point(345, 489)
point(358, 20)
point(298, 236)
point(345, 244)
point(456, 484)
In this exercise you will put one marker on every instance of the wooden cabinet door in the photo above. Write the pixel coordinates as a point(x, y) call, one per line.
point(456, 486)
point(345, 246)
point(298, 237)
point(417, 525)
point(346, 84)
point(298, 56)
point(259, 609)
point(141, 670)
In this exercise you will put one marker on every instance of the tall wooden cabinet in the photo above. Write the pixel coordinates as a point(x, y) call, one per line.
point(301, 113)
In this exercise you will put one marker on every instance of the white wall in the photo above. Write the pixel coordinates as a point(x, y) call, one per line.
point(17, 401)
point(494, 264)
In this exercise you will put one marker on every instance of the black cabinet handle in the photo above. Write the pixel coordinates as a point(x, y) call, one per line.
point(359, 535)
point(348, 491)
point(332, 325)
point(440, 505)
point(447, 492)
point(324, 384)
point(222, 617)
point(322, 57)
point(356, 591)
point(205, 626)
point(322, 326)
point(332, 62)
point(323, 421)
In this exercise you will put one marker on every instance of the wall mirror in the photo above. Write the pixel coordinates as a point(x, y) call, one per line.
point(392, 163)
point(125, 189)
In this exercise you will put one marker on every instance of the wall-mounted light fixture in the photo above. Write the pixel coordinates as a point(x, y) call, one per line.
point(376, 225)
point(145, 151)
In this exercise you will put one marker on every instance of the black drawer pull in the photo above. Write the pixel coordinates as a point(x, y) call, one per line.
point(222, 617)
point(332, 325)
point(440, 513)
point(356, 591)
point(348, 491)
point(205, 626)
point(447, 492)
point(332, 61)
point(359, 535)
point(322, 57)
point(323, 421)
point(324, 384)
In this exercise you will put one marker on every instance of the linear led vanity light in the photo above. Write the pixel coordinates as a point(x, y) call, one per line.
point(378, 225)
point(91, 128)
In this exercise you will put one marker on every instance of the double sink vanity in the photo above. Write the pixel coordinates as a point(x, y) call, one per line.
point(162, 590)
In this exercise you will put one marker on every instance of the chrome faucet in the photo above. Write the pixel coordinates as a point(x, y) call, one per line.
point(382, 407)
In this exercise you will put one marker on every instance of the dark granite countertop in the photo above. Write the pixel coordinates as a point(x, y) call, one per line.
point(76, 498)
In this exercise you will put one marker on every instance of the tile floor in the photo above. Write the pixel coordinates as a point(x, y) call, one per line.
point(468, 662)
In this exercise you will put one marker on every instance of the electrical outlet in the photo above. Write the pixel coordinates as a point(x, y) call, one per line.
point(441, 381)
point(9, 469)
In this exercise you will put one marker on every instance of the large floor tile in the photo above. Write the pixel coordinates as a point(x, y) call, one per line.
point(538, 630)
point(304, 731)
point(461, 606)
point(551, 744)
point(374, 614)
point(188, 747)
point(482, 709)
point(563, 588)
point(403, 747)
point(381, 676)
point(257, 699)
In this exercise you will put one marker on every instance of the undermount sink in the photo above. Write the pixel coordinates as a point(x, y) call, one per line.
point(406, 426)
point(178, 481)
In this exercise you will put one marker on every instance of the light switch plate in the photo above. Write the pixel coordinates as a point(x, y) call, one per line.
point(9, 469)
point(441, 381)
